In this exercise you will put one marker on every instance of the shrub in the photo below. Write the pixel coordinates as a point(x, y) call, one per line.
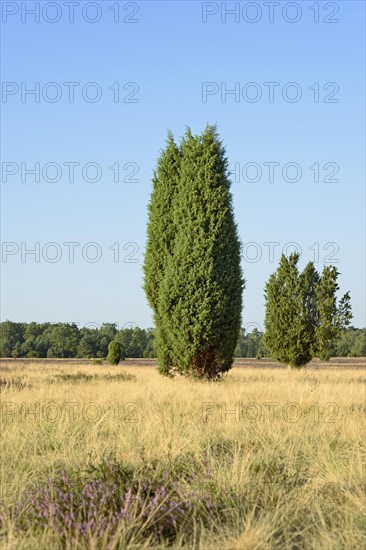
point(32, 353)
point(158, 501)
point(114, 353)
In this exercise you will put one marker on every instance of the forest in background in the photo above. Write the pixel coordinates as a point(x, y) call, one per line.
point(67, 340)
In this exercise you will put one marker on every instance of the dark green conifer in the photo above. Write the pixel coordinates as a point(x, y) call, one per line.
point(114, 353)
point(332, 318)
point(160, 239)
point(200, 297)
point(302, 315)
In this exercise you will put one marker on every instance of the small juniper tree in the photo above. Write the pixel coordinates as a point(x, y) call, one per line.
point(200, 296)
point(114, 353)
point(302, 315)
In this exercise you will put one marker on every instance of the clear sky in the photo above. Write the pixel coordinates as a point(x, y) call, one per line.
point(296, 70)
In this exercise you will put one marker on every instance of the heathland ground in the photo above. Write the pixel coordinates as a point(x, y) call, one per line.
point(266, 458)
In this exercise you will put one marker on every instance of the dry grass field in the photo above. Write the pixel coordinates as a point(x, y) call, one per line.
point(120, 457)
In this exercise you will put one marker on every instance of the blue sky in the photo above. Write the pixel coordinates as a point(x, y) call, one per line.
point(160, 64)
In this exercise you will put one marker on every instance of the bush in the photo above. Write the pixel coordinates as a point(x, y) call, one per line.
point(114, 353)
point(160, 502)
point(32, 354)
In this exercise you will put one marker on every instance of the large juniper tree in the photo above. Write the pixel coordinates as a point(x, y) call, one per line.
point(160, 238)
point(303, 317)
point(199, 297)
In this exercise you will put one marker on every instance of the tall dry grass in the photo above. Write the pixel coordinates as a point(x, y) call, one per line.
point(284, 450)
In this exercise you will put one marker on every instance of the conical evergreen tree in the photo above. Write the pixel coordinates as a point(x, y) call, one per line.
point(114, 353)
point(286, 326)
point(200, 297)
point(160, 237)
point(308, 281)
point(331, 317)
point(302, 316)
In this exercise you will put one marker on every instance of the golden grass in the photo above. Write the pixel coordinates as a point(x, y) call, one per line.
point(291, 442)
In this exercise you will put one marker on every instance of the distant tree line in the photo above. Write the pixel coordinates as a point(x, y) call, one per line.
point(67, 340)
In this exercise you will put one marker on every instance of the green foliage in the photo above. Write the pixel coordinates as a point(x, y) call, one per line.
point(327, 307)
point(160, 239)
point(105, 335)
point(136, 342)
point(32, 353)
point(149, 350)
point(287, 321)
point(114, 353)
point(133, 341)
point(351, 343)
point(303, 318)
point(196, 294)
point(17, 351)
point(251, 344)
point(88, 344)
point(11, 334)
point(161, 230)
point(64, 340)
point(332, 317)
point(67, 340)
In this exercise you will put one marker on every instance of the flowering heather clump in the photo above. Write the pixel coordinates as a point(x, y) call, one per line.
point(93, 503)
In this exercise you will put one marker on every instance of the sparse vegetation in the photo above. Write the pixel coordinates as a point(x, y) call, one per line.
point(80, 377)
point(12, 383)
